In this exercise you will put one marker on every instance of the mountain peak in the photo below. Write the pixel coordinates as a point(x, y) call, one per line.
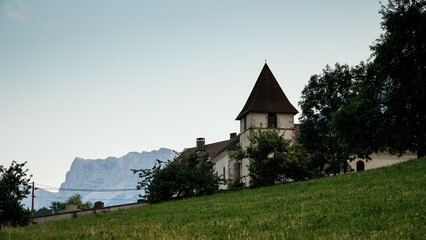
point(109, 173)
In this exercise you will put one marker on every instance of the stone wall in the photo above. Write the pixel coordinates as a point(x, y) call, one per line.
point(83, 213)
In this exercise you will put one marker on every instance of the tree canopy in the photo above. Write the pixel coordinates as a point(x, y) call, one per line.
point(325, 94)
point(375, 106)
point(273, 159)
point(389, 104)
point(185, 176)
point(14, 187)
point(399, 59)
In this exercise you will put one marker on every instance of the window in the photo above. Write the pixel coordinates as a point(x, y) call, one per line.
point(224, 178)
point(272, 120)
point(245, 123)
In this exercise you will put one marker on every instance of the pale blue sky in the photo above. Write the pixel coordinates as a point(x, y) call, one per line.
point(102, 78)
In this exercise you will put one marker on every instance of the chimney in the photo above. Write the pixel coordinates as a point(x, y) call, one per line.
point(201, 142)
point(232, 135)
point(99, 205)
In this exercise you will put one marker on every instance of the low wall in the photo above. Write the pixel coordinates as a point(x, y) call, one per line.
point(83, 213)
point(382, 159)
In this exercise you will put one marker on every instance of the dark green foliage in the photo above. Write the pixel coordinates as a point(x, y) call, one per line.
point(14, 188)
point(273, 159)
point(57, 206)
point(325, 94)
point(358, 123)
point(399, 59)
point(186, 176)
point(373, 107)
point(388, 111)
point(75, 199)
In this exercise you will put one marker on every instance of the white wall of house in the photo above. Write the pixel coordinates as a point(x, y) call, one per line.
point(223, 162)
point(244, 139)
point(245, 178)
point(382, 160)
point(220, 162)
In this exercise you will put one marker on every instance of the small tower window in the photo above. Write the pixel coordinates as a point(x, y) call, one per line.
point(272, 120)
point(245, 123)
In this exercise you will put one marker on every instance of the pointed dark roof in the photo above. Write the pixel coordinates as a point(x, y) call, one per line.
point(267, 96)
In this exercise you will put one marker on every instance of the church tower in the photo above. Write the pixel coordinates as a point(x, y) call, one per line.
point(266, 107)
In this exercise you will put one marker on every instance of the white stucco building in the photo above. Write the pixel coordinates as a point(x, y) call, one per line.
point(267, 107)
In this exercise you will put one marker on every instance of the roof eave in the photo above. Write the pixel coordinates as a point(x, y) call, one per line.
point(243, 114)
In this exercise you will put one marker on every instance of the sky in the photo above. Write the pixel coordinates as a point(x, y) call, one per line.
point(94, 79)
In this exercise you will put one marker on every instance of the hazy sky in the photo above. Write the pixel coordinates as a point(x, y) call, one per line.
point(94, 79)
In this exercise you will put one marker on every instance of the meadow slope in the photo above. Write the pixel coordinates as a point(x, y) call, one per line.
point(385, 203)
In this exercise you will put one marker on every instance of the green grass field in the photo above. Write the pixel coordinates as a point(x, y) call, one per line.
point(385, 203)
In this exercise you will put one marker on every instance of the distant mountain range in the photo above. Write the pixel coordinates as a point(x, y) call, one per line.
point(102, 174)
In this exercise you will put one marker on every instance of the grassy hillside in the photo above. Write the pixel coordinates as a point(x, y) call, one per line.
point(385, 203)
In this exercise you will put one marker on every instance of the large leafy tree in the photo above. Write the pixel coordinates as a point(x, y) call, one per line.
point(187, 175)
point(399, 59)
point(14, 187)
point(388, 112)
point(358, 122)
point(321, 98)
point(273, 159)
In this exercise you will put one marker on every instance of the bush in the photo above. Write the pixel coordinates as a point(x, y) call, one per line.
point(273, 159)
point(185, 176)
point(75, 199)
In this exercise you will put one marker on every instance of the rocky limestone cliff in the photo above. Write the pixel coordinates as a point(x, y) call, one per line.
point(109, 173)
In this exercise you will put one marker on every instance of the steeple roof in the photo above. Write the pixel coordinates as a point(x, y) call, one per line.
point(267, 96)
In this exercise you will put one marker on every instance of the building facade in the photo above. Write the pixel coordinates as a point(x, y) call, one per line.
point(267, 107)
